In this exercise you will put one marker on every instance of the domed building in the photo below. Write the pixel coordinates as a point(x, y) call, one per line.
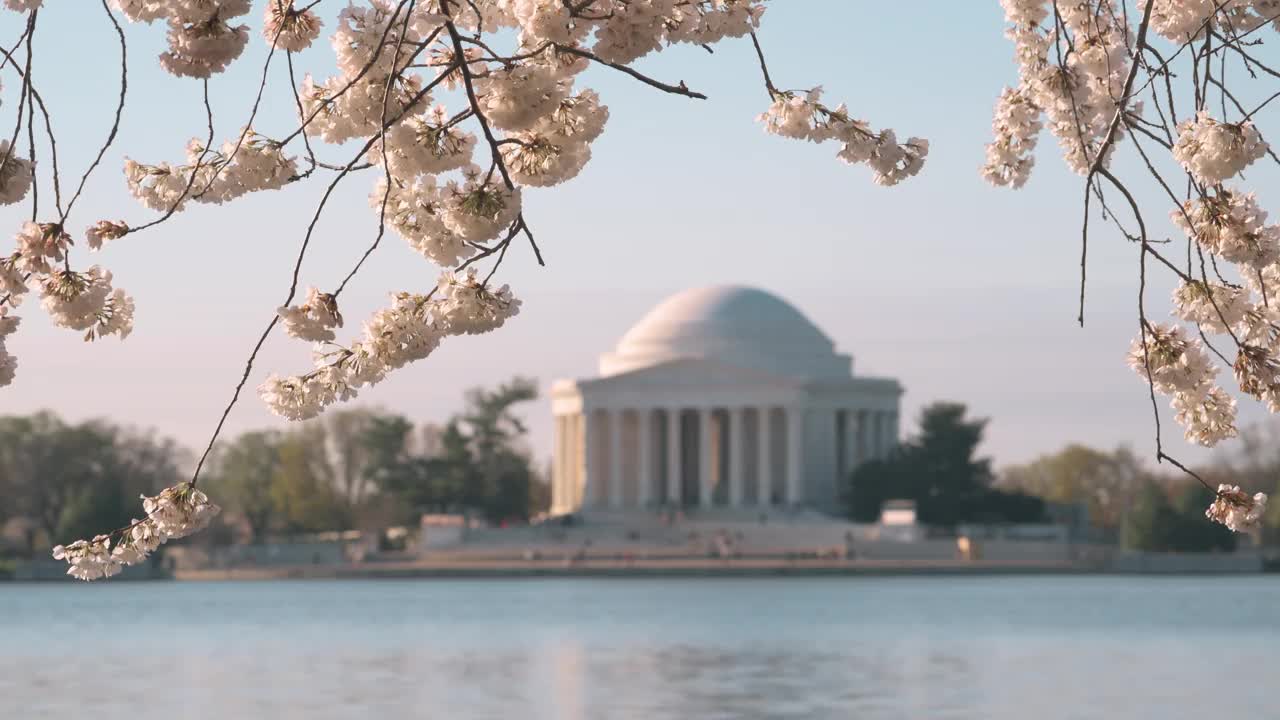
point(720, 397)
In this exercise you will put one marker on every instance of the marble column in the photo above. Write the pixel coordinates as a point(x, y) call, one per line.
point(736, 456)
point(644, 456)
point(558, 466)
point(706, 461)
point(591, 480)
point(764, 459)
point(863, 431)
point(580, 460)
point(852, 458)
point(795, 455)
point(615, 458)
point(673, 456)
point(894, 430)
point(877, 434)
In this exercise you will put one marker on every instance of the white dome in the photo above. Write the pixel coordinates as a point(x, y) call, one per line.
point(739, 326)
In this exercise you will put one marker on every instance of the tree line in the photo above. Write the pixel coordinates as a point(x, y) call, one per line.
point(1121, 499)
point(365, 469)
point(350, 469)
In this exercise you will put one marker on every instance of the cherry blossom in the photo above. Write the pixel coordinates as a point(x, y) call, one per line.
point(1234, 508)
point(175, 512)
point(315, 319)
point(1213, 151)
point(457, 115)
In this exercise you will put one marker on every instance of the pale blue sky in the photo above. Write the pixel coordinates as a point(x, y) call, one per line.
point(962, 291)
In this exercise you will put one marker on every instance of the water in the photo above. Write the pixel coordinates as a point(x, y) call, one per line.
point(926, 647)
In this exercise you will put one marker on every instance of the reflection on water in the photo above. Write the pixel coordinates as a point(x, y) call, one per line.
point(1066, 647)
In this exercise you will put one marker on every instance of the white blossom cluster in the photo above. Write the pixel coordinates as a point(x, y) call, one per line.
point(249, 163)
point(416, 211)
point(83, 301)
point(1234, 508)
point(1184, 20)
point(8, 363)
point(314, 320)
point(86, 301)
point(802, 116)
point(103, 230)
point(1078, 97)
point(451, 181)
point(1016, 127)
point(627, 31)
point(1078, 90)
point(558, 145)
point(175, 513)
point(424, 145)
point(15, 175)
point(1228, 225)
point(1215, 307)
point(1179, 366)
point(1075, 61)
point(446, 203)
point(201, 41)
point(1214, 151)
point(1232, 226)
point(409, 329)
point(290, 28)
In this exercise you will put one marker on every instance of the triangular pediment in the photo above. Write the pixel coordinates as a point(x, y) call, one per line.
point(692, 373)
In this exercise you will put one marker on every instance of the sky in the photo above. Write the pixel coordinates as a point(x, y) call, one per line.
point(962, 291)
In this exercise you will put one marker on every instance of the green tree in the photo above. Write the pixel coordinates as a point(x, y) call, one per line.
point(434, 484)
point(1102, 481)
point(1191, 532)
point(500, 489)
point(1150, 519)
point(344, 437)
point(940, 470)
point(243, 478)
point(383, 445)
point(302, 488)
point(1255, 466)
point(1158, 523)
point(75, 481)
point(481, 466)
point(876, 481)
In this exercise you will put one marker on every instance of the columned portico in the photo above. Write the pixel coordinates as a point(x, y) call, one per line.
point(724, 398)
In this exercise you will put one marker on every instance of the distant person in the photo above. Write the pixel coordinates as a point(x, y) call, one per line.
point(723, 546)
point(850, 552)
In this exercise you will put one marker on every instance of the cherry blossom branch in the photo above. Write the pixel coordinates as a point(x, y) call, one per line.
point(537, 128)
point(115, 123)
point(1107, 142)
point(764, 68)
point(680, 89)
point(382, 149)
point(297, 269)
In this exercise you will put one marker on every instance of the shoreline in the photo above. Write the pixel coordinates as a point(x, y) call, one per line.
point(656, 569)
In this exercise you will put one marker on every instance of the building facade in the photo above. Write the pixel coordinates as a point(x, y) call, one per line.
point(720, 397)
